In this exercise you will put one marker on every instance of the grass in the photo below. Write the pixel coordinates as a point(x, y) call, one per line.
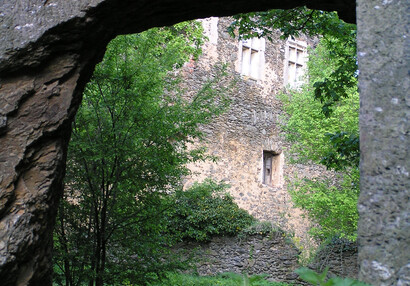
point(225, 279)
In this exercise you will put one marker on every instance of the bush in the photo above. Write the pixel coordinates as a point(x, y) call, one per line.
point(206, 210)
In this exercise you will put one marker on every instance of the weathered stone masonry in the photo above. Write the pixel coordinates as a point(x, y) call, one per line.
point(384, 203)
point(254, 254)
point(251, 126)
point(272, 254)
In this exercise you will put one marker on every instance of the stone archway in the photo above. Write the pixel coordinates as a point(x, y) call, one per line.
point(48, 51)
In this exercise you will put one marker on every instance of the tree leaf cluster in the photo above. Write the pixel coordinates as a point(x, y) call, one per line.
point(331, 207)
point(206, 210)
point(290, 22)
point(322, 122)
point(331, 140)
point(127, 154)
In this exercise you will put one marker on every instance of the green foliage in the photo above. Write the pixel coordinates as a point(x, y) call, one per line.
point(345, 151)
point(320, 279)
point(262, 228)
point(259, 227)
point(206, 210)
point(332, 207)
point(127, 153)
point(330, 140)
point(290, 22)
point(225, 279)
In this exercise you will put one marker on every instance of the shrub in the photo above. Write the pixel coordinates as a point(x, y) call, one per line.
point(206, 210)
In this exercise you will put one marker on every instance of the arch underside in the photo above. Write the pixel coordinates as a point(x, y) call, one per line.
point(48, 51)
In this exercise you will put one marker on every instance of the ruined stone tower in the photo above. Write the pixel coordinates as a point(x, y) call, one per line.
point(248, 140)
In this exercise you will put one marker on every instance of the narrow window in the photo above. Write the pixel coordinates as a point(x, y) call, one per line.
point(272, 168)
point(254, 73)
point(246, 59)
point(252, 57)
point(295, 62)
point(267, 168)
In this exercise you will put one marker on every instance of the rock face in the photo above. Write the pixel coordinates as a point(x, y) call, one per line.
point(384, 206)
point(47, 52)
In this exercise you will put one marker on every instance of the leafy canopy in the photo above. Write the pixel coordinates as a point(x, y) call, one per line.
point(128, 152)
point(332, 140)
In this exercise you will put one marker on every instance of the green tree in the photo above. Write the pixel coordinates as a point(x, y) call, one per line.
point(321, 138)
point(127, 154)
point(323, 116)
point(312, 132)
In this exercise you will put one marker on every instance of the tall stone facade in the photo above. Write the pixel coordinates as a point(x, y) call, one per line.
point(252, 152)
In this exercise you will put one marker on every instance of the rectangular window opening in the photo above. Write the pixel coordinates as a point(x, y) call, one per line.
point(271, 168)
point(296, 62)
point(252, 57)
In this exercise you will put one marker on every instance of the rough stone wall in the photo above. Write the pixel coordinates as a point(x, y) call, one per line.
point(32, 161)
point(340, 257)
point(252, 125)
point(254, 254)
point(384, 203)
point(270, 254)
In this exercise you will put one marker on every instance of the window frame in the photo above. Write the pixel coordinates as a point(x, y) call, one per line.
point(300, 48)
point(272, 168)
point(252, 57)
